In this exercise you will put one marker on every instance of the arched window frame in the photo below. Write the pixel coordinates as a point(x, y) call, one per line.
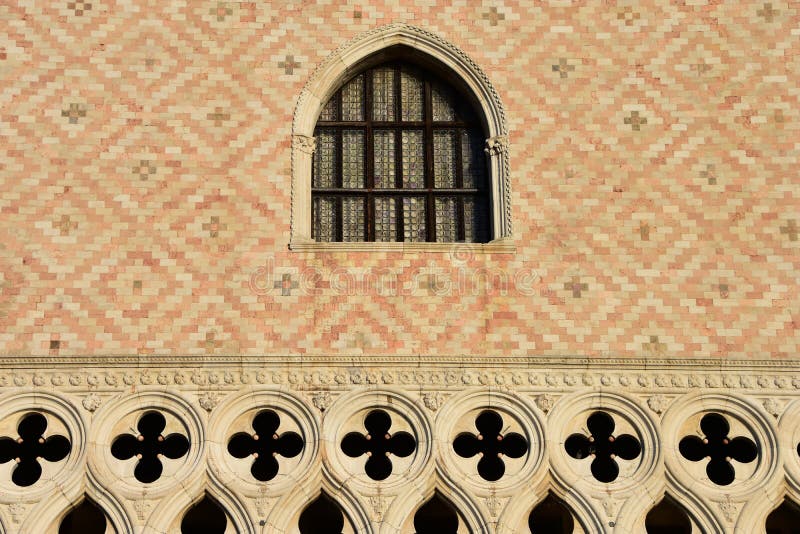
point(341, 65)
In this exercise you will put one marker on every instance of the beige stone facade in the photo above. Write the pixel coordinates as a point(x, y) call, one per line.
point(162, 298)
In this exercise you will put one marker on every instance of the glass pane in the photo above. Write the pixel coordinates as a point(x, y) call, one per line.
point(329, 111)
point(444, 158)
point(384, 156)
point(413, 159)
point(325, 160)
point(385, 219)
point(442, 103)
point(324, 227)
point(446, 219)
point(472, 159)
point(353, 158)
point(383, 97)
point(353, 99)
point(353, 219)
point(476, 222)
point(411, 90)
point(414, 219)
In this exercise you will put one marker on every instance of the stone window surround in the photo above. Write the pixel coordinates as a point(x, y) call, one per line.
point(334, 71)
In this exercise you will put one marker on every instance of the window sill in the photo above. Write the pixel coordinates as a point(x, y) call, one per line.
point(498, 246)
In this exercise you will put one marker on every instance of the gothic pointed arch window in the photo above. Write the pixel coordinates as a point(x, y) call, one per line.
point(399, 157)
point(399, 142)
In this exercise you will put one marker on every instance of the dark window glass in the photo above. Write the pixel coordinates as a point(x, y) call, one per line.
point(399, 157)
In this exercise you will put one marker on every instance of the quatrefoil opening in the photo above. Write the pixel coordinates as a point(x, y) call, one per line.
point(265, 445)
point(491, 445)
point(378, 444)
point(30, 447)
point(149, 446)
point(603, 447)
point(718, 448)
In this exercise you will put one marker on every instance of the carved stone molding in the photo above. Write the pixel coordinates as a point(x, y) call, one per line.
point(336, 375)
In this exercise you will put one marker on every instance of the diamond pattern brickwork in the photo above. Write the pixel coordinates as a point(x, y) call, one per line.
point(146, 182)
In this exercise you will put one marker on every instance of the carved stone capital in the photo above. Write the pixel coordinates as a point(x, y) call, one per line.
point(305, 143)
point(496, 145)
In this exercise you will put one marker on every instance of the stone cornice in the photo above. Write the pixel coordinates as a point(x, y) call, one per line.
point(20, 361)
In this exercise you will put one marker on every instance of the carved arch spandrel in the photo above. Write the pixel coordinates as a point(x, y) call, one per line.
point(334, 71)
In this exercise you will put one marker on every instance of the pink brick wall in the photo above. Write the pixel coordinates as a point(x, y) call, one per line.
point(145, 175)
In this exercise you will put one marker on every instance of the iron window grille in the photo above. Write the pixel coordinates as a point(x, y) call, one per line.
point(399, 157)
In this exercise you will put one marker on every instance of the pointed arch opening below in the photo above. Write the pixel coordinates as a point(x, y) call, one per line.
point(86, 518)
point(551, 516)
point(436, 516)
point(667, 517)
point(323, 516)
point(785, 519)
point(205, 517)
